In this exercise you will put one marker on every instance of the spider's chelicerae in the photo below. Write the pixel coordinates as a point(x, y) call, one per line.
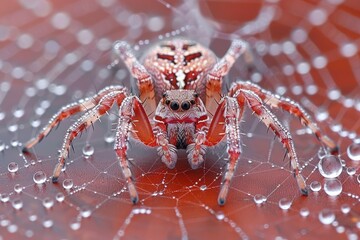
point(180, 106)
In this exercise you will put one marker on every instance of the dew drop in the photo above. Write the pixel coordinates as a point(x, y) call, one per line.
point(39, 177)
point(85, 212)
point(2, 146)
point(12, 228)
point(33, 217)
point(60, 197)
point(259, 199)
point(315, 186)
point(18, 188)
point(358, 178)
point(304, 212)
point(326, 216)
point(203, 187)
point(48, 203)
point(285, 203)
point(345, 208)
point(68, 184)
point(75, 225)
point(330, 166)
point(332, 187)
point(17, 203)
point(220, 215)
point(109, 137)
point(13, 167)
point(351, 171)
point(88, 150)
point(353, 151)
point(4, 197)
point(48, 223)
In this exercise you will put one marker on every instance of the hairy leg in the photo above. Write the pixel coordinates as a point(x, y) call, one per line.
point(84, 122)
point(69, 110)
point(222, 68)
point(276, 101)
point(257, 106)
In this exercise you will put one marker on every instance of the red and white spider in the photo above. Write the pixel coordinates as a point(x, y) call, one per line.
point(180, 106)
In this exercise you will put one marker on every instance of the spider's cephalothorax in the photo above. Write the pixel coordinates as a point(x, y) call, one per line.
point(179, 106)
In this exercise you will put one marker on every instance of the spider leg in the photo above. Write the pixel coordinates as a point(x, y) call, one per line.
point(276, 101)
point(85, 121)
point(122, 50)
point(131, 113)
point(69, 110)
point(216, 74)
point(263, 113)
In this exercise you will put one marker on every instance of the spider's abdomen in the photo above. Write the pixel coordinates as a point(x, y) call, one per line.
point(179, 64)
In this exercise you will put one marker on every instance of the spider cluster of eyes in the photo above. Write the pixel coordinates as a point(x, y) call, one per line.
point(175, 105)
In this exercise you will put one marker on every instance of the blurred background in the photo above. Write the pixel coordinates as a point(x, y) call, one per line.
point(53, 53)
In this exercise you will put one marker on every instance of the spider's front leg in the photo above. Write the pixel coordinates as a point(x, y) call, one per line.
point(132, 119)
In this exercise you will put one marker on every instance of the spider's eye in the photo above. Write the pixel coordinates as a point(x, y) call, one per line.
point(167, 102)
point(192, 102)
point(174, 105)
point(185, 105)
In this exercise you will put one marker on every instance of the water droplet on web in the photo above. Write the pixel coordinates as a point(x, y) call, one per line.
point(345, 208)
point(14, 143)
point(353, 151)
point(330, 166)
point(48, 223)
point(33, 217)
point(109, 137)
point(13, 167)
point(259, 199)
point(12, 228)
point(68, 184)
point(4, 197)
point(13, 127)
point(315, 186)
point(48, 203)
point(332, 187)
point(85, 212)
point(203, 187)
point(17, 203)
point(220, 215)
point(75, 225)
point(18, 188)
point(285, 203)
point(304, 212)
point(35, 123)
point(351, 171)
point(358, 178)
point(88, 150)
point(39, 177)
point(326, 216)
point(2, 146)
point(60, 197)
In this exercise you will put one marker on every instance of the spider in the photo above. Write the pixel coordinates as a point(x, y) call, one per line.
point(180, 106)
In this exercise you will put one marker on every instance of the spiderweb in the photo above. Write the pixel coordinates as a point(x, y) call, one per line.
point(55, 53)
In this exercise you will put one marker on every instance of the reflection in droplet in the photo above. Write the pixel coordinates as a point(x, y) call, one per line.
point(285, 203)
point(203, 187)
point(259, 199)
point(39, 177)
point(332, 187)
point(75, 225)
point(13, 167)
point(315, 186)
point(353, 151)
point(304, 212)
point(48, 203)
point(109, 137)
point(326, 216)
point(68, 184)
point(330, 166)
point(60, 197)
point(345, 208)
point(88, 150)
point(17, 203)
